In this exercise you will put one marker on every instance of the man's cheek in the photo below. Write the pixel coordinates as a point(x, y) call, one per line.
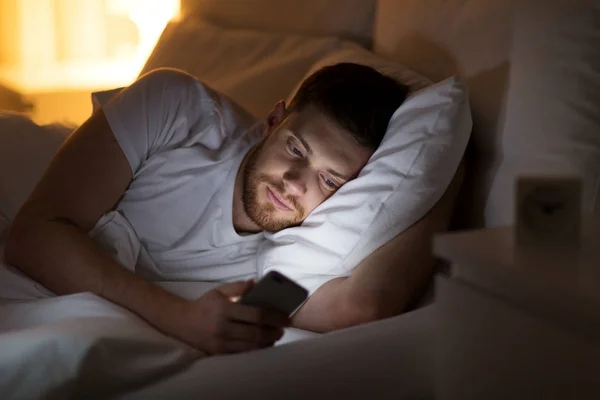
point(276, 163)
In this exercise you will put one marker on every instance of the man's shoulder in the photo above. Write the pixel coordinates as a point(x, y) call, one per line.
point(199, 111)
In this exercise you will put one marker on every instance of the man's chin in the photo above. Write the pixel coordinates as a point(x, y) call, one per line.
point(276, 226)
point(271, 223)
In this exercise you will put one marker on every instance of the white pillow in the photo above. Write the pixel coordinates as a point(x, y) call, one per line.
point(404, 178)
point(256, 69)
point(553, 107)
point(26, 149)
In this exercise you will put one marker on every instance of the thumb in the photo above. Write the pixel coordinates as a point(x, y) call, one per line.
point(234, 289)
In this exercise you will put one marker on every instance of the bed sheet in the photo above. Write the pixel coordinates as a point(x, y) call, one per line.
point(392, 358)
point(71, 346)
point(81, 345)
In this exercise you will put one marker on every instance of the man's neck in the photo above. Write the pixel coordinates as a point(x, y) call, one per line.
point(241, 221)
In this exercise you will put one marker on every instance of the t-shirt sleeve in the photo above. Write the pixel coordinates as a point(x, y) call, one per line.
point(157, 112)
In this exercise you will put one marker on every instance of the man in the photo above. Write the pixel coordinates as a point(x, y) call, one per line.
point(190, 174)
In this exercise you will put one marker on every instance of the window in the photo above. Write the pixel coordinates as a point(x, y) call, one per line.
point(76, 44)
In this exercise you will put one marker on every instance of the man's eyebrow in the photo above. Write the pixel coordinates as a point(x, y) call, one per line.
point(333, 172)
point(337, 174)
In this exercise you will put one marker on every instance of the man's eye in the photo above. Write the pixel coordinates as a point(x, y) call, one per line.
point(331, 183)
point(295, 150)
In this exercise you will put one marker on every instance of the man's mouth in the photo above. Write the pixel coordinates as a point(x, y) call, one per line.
point(278, 201)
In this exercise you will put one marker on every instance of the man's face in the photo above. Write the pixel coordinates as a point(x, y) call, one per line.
point(303, 160)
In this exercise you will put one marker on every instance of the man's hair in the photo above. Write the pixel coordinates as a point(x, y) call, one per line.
point(360, 99)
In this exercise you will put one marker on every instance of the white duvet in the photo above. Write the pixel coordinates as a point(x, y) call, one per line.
point(64, 345)
point(82, 346)
point(61, 346)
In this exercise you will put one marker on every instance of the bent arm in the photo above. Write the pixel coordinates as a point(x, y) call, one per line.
point(48, 239)
point(387, 282)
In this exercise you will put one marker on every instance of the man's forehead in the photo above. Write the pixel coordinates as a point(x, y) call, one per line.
point(313, 126)
point(312, 117)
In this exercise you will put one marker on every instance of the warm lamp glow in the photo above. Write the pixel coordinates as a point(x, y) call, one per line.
point(77, 44)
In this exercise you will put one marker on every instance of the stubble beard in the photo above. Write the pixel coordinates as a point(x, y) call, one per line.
point(262, 214)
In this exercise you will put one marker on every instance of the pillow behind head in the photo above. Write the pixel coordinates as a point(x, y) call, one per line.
point(254, 68)
point(408, 173)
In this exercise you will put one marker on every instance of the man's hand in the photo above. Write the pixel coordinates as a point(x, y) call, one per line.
point(215, 324)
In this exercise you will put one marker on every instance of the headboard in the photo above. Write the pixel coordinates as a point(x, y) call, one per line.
point(350, 19)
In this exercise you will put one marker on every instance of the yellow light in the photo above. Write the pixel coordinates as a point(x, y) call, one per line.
point(83, 44)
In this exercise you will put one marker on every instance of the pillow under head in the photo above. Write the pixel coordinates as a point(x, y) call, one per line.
point(408, 173)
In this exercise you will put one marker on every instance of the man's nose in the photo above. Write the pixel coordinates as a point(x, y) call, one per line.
point(295, 182)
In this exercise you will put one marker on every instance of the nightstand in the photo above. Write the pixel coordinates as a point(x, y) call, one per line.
point(518, 322)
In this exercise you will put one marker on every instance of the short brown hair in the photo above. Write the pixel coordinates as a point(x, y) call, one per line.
point(359, 98)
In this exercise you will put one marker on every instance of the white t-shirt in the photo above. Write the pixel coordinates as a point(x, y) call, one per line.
point(184, 143)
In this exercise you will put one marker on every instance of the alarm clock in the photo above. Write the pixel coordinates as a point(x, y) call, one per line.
point(548, 210)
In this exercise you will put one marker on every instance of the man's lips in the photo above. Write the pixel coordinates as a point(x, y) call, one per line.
point(278, 201)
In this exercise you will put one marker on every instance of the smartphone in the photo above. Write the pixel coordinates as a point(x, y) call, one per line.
point(277, 292)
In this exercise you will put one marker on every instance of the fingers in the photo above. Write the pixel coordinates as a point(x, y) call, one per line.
point(236, 337)
point(257, 316)
point(235, 288)
point(251, 333)
point(229, 327)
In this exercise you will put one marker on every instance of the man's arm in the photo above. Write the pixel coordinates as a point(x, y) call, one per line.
point(49, 242)
point(387, 282)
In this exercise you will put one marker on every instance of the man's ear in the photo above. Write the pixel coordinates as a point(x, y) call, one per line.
point(276, 115)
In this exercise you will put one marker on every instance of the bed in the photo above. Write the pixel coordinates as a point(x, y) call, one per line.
point(257, 52)
point(83, 346)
